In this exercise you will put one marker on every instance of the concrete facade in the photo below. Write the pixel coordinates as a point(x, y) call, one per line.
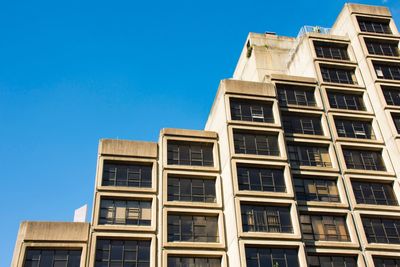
point(298, 165)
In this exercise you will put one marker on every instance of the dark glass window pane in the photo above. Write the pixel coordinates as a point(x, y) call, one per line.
point(191, 189)
point(251, 110)
point(392, 95)
point(113, 252)
point(374, 25)
point(374, 193)
point(386, 261)
point(302, 155)
point(331, 261)
point(296, 95)
point(312, 189)
point(257, 143)
point(39, 257)
point(354, 129)
point(387, 71)
point(382, 47)
point(331, 50)
point(192, 228)
point(382, 230)
point(126, 174)
point(302, 124)
point(262, 218)
point(180, 261)
point(363, 159)
point(338, 75)
point(271, 257)
point(125, 212)
point(396, 121)
point(190, 153)
point(260, 179)
point(346, 101)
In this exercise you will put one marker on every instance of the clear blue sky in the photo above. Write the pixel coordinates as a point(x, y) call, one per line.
point(73, 72)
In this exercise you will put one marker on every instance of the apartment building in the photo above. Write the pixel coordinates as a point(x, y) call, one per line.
point(298, 165)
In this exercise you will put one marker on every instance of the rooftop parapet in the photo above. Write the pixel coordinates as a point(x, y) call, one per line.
point(127, 148)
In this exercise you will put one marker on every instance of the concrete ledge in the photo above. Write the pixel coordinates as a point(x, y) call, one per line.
point(290, 78)
point(248, 88)
point(369, 10)
point(54, 231)
point(188, 133)
point(127, 148)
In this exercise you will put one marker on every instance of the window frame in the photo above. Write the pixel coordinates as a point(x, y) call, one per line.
point(314, 103)
point(333, 93)
point(350, 70)
point(340, 46)
point(267, 102)
point(196, 254)
point(359, 19)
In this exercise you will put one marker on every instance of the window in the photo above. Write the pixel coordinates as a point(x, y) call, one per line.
point(190, 153)
point(338, 75)
point(392, 95)
point(263, 218)
point(386, 262)
point(255, 143)
point(382, 47)
point(374, 25)
point(354, 129)
point(39, 257)
point(381, 230)
point(191, 189)
point(346, 101)
point(324, 227)
point(296, 95)
point(302, 124)
point(251, 110)
point(374, 193)
point(387, 71)
point(363, 160)
point(176, 261)
point(126, 174)
point(192, 228)
point(312, 189)
point(331, 261)
point(260, 179)
point(331, 50)
point(302, 155)
point(125, 212)
point(396, 121)
point(121, 253)
point(271, 257)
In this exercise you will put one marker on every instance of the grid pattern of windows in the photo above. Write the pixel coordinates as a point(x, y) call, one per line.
point(191, 189)
point(374, 193)
point(301, 155)
point(296, 95)
point(386, 262)
point(251, 110)
point(262, 218)
point(363, 160)
point(346, 101)
point(324, 227)
point(260, 179)
point(121, 253)
point(302, 124)
point(354, 129)
point(387, 71)
point(125, 212)
point(382, 47)
point(310, 189)
point(190, 153)
point(380, 230)
point(255, 143)
point(192, 228)
point(396, 121)
point(177, 261)
point(374, 26)
point(392, 95)
point(126, 174)
point(36, 257)
point(331, 261)
point(271, 257)
point(331, 50)
point(338, 75)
